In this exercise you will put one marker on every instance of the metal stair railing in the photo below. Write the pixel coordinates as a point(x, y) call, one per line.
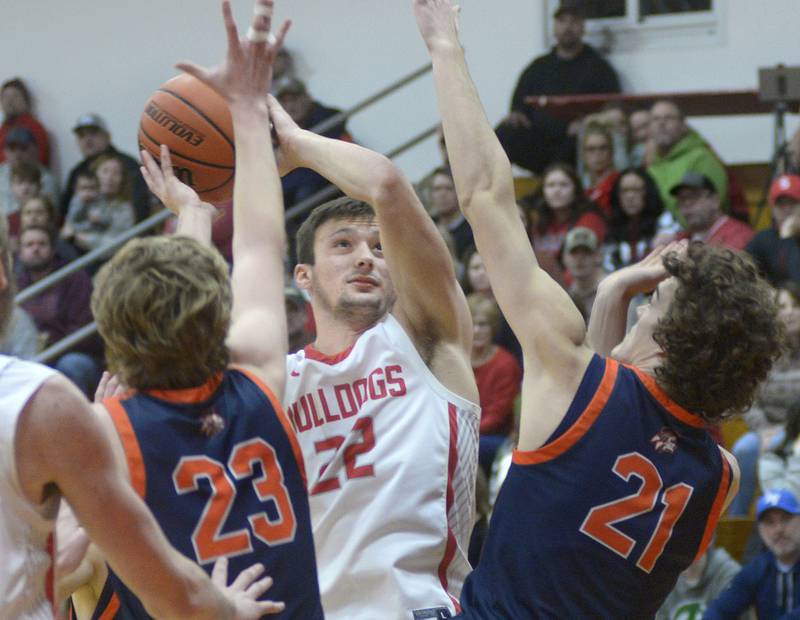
point(65, 344)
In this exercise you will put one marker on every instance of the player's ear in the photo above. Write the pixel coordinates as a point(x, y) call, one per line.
point(302, 276)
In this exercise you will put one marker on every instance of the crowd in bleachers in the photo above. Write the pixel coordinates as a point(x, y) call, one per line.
point(596, 194)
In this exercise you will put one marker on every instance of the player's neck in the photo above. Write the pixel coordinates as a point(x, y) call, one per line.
point(335, 335)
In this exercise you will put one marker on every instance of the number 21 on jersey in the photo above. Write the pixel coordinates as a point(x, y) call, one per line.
point(208, 541)
point(599, 523)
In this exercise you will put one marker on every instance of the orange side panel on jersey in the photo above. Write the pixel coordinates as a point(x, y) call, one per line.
point(716, 507)
point(665, 401)
point(130, 444)
point(287, 425)
point(111, 609)
point(188, 396)
point(584, 422)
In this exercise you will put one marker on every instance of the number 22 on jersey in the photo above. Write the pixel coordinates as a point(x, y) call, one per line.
point(208, 541)
point(599, 523)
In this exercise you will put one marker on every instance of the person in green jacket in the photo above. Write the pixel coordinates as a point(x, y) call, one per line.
point(677, 150)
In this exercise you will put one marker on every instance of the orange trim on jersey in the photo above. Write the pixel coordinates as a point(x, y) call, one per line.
point(561, 444)
point(133, 453)
point(111, 609)
point(287, 425)
point(665, 401)
point(716, 507)
point(189, 396)
point(313, 354)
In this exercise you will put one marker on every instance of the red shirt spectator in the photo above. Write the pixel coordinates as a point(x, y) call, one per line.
point(16, 103)
point(498, 382)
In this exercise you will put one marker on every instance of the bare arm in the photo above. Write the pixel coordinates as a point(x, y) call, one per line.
point(66, 445)
point(430, 301)
point(257, 337)
point(543, 317)
point(609, 316)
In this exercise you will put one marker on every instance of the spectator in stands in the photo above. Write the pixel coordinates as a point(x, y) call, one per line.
point(476, 281)
point(583, 261)
point(776, 395)
point(499, 379)
point(307, 113)
point(700, 206)
point(94, 140)
point(779, 465)
point(561, 207)
point(423, 186)
point(40, 211)
point(61, 309)
point(19, 149)
point(704, 580)
point(15, 99)
point(533, 138)
point(444, 208)
point(95, 223)
point(21, 338)
point(283, 70)
point(770, 582)
point(635, 208)
point(679, 149)
point(297, 319)
point(639, 145)
point(776, 250)
point(597, 152)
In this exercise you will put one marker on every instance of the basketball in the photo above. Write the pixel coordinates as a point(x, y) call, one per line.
point(195, 123)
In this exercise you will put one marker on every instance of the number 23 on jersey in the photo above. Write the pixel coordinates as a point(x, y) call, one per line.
point(208, 540)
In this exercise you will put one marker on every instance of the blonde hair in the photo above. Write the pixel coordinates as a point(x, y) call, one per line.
point(163, 307)
point(482, 305)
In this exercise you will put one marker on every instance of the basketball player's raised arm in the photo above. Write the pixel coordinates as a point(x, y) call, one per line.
point(544, 319)
point(609, 317)
point(63, 445)
point(258, 334)
point(429, 298)
point(195, 217)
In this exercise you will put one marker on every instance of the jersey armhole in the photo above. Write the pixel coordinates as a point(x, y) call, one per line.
point(130, 444)
point(563, 439)
point(282, 418)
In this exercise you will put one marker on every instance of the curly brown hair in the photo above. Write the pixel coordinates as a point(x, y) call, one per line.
point(163, 308)
point(721, 333)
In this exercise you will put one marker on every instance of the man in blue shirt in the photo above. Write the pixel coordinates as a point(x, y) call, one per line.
point(771, 582)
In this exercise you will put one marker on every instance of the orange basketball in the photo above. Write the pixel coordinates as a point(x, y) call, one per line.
point(195, 123)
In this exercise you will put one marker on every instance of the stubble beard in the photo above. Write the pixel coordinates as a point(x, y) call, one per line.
point(358, 313)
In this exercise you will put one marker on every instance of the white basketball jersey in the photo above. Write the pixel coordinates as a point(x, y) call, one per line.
point(391, 458)
point(25, 528)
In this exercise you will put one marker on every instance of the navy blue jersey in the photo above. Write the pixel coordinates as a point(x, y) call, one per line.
point(600, 521)
point(220, 468)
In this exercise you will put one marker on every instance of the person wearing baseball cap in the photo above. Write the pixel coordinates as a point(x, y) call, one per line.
point(94, 139)
point(583, 261)
point(531, 136)
point(771, 582)
point(776, 250)
point(700, 206)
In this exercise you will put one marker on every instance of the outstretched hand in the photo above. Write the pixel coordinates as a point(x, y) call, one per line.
point(246, 72)
point(243, 593)
point(437, 21)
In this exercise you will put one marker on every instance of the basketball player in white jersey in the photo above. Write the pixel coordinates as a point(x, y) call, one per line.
point(383, 401)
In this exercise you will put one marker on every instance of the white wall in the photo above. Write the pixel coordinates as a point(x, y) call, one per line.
point(109, 55)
